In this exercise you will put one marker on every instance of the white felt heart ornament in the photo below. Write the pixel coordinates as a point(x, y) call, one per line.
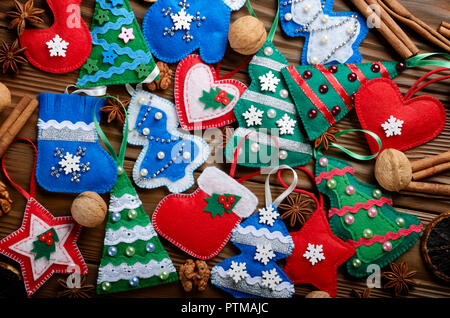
point(202, 100)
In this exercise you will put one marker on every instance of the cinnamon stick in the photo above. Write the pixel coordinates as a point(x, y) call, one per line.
point(14, 114)
point(393, 40)
point(444, 29)
point(16, 126)
point(397, 10)
point(422, 174)
point(431, 188)
point(430, 161)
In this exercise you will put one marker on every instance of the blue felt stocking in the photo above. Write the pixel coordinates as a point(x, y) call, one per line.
point(70, 158)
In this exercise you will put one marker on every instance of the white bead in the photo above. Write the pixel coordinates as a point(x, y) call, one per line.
point(158, 115)
point(240, 151)
point(284, 93)
point(161, 155)
point(283, 154)
point(288, 17)
point(324, 39)
point(141, 100)
point(350, 30)
point(186, 155)
point(325, 18)
point(145, 131)
point(271, 113)
point(307, 7)
point(255, 147)
point(268, 51)
point(314, 60)
point(144, 172)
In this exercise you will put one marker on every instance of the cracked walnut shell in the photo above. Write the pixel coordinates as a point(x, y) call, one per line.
point(5, 200)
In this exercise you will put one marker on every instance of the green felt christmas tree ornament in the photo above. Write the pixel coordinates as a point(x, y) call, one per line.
point(119, 54)
point(362, 214)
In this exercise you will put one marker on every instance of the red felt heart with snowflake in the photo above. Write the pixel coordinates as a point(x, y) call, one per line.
point(400, 122)
point(202, 100)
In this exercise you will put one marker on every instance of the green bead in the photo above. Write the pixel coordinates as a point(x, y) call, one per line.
point(120, 170)
point(400, 222)
point(163, 275)
point(132, 214)
point(331, 183)
point(130, 251)
point(367, 233)
point(377, 193)
point(106, 286)
point(356, 263)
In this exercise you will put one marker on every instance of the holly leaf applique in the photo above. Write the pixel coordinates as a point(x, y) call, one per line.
point(216, 98)
point(220, 203)
point(45, 244)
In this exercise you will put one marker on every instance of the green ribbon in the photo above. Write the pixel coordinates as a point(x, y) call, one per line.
point(273, 28)
point(420, 60)
point(119, 159)
point(349, 152)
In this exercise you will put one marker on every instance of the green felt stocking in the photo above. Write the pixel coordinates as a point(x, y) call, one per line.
point(362, 215)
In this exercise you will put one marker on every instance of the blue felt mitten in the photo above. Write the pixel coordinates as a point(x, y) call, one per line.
point(70, 158)
point(175, 28)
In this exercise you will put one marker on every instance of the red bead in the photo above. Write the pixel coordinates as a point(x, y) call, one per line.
point(42, 238)
point(333, 69)
point(218, 99)
point(323, 89)
point(225, 101)
point(307, 74)
point(312, 113)
point(231, 199)
point(352, 77)
point(222, 93)
point(335, 110)
point(352, 97)
point(49, 241)
point(222, 199)
point(375, 68)
point(227, 206)
point(49, 234)
point(400, 66)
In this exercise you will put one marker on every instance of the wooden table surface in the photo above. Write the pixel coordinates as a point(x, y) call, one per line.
point(33, 81)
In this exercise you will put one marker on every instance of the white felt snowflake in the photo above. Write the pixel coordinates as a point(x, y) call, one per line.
point(270, 279)
point(253, 116)
point(181, 20)
point(392, 126)
point(237, 271)
point(70, 163)
point(286, 125)
point(57, 46)
point(269, 82)
point(264, 253)
point(268, 215)
point(314, 253)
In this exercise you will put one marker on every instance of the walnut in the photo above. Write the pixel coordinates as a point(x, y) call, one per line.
point(89, 209)
point(165, 78)
point(5, 200)
point(247, 35)
point(194, 274)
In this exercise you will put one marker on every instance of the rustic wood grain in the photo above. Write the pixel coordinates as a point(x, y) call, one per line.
point(32, 81)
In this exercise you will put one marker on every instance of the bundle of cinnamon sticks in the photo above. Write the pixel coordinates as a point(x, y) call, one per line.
point(15, 122)
point(391, 10)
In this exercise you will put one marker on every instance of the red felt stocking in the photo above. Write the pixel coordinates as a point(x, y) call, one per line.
point(63, 47)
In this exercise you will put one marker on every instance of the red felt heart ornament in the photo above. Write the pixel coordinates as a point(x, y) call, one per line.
point(401, 122)
point(202, 100)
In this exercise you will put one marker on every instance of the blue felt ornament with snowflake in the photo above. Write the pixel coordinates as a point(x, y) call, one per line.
point(175, 28)
point(330, 37)
point(263, 239)
point(70, 157)
point(169, 157)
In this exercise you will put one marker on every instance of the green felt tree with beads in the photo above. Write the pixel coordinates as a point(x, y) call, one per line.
point(267, 107)
point(323, 95)
point(362, 215)
point(133, 256)
point(119, 53)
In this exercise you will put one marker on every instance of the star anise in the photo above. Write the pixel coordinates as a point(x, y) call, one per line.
point(298, 209)
point(115, 110)
point(364, 294)
point(24, 13)
point(326, 138)
point(399, 278)
point(75, 292)
point(10, 56)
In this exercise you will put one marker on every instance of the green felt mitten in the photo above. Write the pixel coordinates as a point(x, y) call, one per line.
point(133, 257)
point(362, 215)
point(119, 54)
point(323, 95)
point(267, 106)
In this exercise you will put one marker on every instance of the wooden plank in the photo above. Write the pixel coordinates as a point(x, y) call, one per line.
point(32, 81)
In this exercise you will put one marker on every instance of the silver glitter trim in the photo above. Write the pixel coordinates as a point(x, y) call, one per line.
point(269, 101)
point(67, 134)
point(269, 63)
